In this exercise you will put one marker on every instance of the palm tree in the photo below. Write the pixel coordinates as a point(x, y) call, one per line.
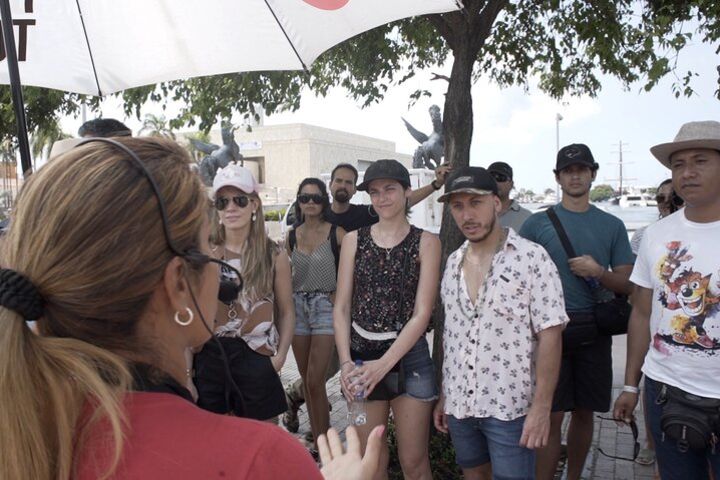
point(156, 126)
point(42, 139)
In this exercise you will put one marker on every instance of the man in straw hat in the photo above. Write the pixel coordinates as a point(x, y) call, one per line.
point(674, 332)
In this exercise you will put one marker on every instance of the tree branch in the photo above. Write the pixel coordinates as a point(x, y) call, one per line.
point(437, 76)
point(444, 28)
point(482, 24)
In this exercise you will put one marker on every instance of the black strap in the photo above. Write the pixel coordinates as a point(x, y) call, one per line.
point(334, 246)
point(561, 233)
point(292, 239)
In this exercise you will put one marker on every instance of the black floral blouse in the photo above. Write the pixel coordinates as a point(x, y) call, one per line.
point(377, 281)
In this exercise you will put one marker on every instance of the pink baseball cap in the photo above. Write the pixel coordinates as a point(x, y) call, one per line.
point(235, 176)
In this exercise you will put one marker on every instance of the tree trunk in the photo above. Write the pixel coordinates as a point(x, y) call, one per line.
point(458, 130)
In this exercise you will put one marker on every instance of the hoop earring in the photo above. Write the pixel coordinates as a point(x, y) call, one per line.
point(187, 322)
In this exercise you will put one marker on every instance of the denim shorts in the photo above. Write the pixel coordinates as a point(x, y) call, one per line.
point(413, 377)
point(478, 441)
point(313, 313)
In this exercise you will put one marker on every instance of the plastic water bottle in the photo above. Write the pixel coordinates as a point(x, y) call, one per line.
point(357, 411)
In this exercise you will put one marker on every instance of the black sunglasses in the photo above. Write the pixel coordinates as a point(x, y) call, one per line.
point(636, 444)
point(500, 177)
point(241, 201)
point(307, 197)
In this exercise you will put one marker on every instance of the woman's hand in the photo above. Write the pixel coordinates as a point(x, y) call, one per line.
point(369, 375)
point(278, 361)
point(350, 465)
point(346, 377)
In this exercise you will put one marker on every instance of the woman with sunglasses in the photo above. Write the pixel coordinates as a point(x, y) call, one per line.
point(668, 202)
point(387, 283)
point(119, 290)
point(257, 327)
point(313, 247)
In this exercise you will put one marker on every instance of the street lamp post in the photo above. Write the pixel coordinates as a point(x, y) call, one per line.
point(558, 117)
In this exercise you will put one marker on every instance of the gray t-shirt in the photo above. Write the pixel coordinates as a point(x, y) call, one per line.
point(515, 216)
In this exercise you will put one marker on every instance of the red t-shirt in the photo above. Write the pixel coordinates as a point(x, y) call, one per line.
point(170, 438)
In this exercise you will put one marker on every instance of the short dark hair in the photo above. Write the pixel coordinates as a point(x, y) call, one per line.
point(344, 165)
point(323, 191)
point(104, 127)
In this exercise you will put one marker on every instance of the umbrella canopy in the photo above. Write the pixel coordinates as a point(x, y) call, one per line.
point(99, 47)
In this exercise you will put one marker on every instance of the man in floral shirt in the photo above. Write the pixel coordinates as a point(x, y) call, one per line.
point(504, 315)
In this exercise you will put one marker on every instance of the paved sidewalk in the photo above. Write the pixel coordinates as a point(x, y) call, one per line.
point(607, 435)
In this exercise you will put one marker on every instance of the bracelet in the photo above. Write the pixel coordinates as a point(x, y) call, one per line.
point(631, 389)
point(435, 186)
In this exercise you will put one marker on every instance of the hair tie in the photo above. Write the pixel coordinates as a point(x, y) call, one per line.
point(18, 293)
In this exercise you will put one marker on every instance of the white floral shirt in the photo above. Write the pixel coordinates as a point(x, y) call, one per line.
point(489, 347)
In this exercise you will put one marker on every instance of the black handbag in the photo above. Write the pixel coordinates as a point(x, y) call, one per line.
point(692, 421)
point(611, 316)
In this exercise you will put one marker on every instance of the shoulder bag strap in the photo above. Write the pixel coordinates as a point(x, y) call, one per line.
point(561, 233)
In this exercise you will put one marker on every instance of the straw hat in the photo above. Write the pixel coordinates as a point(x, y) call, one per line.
point(705, 134)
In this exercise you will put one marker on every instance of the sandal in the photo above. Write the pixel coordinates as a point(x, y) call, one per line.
point(645, 457)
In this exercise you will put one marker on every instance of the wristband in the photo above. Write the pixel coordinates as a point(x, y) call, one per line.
point(631, 389)
point(435, 186)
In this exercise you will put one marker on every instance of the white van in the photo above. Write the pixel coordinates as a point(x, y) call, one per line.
point(426, 214)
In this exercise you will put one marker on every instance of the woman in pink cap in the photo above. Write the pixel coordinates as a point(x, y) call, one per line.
point(255, 329)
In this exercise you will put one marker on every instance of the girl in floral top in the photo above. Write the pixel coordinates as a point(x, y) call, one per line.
point(386, 290)
point(255, 329)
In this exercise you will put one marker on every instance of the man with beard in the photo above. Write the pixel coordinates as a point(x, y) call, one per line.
point(351, 217)
point(504, 315)
point(601, 269)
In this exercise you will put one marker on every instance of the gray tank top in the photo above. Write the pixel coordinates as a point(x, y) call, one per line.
point(314, 272)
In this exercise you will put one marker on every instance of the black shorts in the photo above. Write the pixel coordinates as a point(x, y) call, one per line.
point(261, 395)
point(585, 378)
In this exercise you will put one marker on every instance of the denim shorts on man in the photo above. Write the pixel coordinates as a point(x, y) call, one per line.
point(478, 441)
point(313, 314)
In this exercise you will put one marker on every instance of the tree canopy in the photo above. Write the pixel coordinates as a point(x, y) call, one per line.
point(565, 45)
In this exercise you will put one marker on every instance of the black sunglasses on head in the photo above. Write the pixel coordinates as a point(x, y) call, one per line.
point(636, 444)
point(241, 201)
point(499, 177)
point(307, 197)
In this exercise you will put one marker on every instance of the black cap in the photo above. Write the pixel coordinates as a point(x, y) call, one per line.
point(385, 169)
point(475, 180)
point(577, 153)
point(501, 167)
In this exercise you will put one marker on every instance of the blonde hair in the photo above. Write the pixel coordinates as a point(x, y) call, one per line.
point(87, 233)
point(257, 259)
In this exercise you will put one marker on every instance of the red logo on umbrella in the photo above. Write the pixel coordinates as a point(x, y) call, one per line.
point(327, 4)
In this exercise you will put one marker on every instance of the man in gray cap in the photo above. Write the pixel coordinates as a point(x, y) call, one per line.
point(511, 214)
point(504, 315)
point(599, 269)
point(674, 331)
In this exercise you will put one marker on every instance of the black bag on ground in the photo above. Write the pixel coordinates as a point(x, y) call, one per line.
point(612, 317)
point(581, 331)
point(692, 421)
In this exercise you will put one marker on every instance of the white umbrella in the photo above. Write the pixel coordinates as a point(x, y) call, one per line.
point(99, 47)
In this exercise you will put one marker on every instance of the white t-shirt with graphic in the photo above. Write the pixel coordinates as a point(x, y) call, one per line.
point(679, 261)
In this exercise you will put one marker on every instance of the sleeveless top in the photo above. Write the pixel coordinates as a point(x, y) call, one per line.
point(377, 288)
point(314, 272)
point(253, 320)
